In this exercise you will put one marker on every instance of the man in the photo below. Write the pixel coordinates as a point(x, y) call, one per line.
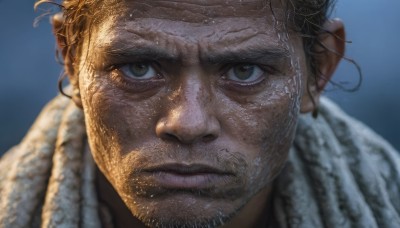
point(196, 116)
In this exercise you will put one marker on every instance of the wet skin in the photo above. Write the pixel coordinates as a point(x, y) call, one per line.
point(190, 114)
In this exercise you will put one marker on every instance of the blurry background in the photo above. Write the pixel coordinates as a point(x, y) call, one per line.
point(29, 72)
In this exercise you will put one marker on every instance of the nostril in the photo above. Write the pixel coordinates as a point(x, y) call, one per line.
point(173, 137)
point(209, 138)
point(169, 136)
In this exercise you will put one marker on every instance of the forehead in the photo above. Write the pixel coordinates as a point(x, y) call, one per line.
point(209, 24)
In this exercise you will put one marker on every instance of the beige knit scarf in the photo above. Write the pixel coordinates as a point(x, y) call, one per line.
point(339, 174)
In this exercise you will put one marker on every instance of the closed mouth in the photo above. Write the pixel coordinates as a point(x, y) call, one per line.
point(185, 176)
point(186, 169)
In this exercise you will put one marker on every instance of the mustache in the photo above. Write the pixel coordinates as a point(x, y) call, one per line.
point(186, 169)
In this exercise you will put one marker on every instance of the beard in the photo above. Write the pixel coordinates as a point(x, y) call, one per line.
point(216, 221)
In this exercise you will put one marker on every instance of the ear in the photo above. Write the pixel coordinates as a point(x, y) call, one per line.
point(66, 53)
point(329, 51)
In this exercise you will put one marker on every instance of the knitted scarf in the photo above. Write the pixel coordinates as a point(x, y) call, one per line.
point(339, 174)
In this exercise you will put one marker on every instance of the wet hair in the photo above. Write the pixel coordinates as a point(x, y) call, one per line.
point(304, 16)
point(308, 17)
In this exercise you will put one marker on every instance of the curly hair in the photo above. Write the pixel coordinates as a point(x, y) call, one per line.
point(304, 16)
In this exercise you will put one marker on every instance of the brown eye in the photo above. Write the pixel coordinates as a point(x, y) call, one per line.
point(138, 71)
point(244, 73)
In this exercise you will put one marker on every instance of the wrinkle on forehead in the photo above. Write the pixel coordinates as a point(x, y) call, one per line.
point(132, 30)
point(231, 31)
point(173, 36)
point(196, 11)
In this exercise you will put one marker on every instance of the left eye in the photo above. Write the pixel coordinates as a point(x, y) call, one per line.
point(138, 71)
point(244, 73)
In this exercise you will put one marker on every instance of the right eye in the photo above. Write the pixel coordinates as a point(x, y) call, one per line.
point(138, 70)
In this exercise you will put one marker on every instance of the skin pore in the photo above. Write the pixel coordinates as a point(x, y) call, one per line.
point(191, 108)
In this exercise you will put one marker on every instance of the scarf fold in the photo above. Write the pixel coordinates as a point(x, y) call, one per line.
point(339, 174)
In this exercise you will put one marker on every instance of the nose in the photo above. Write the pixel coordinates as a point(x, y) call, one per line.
point(190, 118)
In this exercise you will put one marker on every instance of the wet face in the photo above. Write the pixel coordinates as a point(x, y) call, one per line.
point(191, 106)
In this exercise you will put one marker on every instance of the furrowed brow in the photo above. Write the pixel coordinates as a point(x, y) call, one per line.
point(142, 52)
point(247, 55)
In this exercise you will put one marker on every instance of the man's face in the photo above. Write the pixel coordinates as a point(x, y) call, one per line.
point(191, 106)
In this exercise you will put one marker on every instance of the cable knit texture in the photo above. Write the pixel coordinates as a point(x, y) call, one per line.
point(339, 174)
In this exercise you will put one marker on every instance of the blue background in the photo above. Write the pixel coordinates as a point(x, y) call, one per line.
point(29, 72)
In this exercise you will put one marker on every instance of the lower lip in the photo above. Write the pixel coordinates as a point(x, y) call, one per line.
point(187, 181)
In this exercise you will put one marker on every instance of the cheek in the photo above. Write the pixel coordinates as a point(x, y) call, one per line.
point(94, 109)
point(265, 126)
point(281, 116)
point(115, 124)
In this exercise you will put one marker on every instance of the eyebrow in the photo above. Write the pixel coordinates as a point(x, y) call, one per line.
point(248, 55)
point(141, 52)
point(153, 52)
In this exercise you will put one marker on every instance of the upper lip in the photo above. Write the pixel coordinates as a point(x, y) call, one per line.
point(186, 169)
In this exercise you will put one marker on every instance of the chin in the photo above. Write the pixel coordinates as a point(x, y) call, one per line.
point(185, 210)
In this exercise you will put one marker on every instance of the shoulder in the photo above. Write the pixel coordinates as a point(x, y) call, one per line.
point(25, 169)
point(340, 170)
